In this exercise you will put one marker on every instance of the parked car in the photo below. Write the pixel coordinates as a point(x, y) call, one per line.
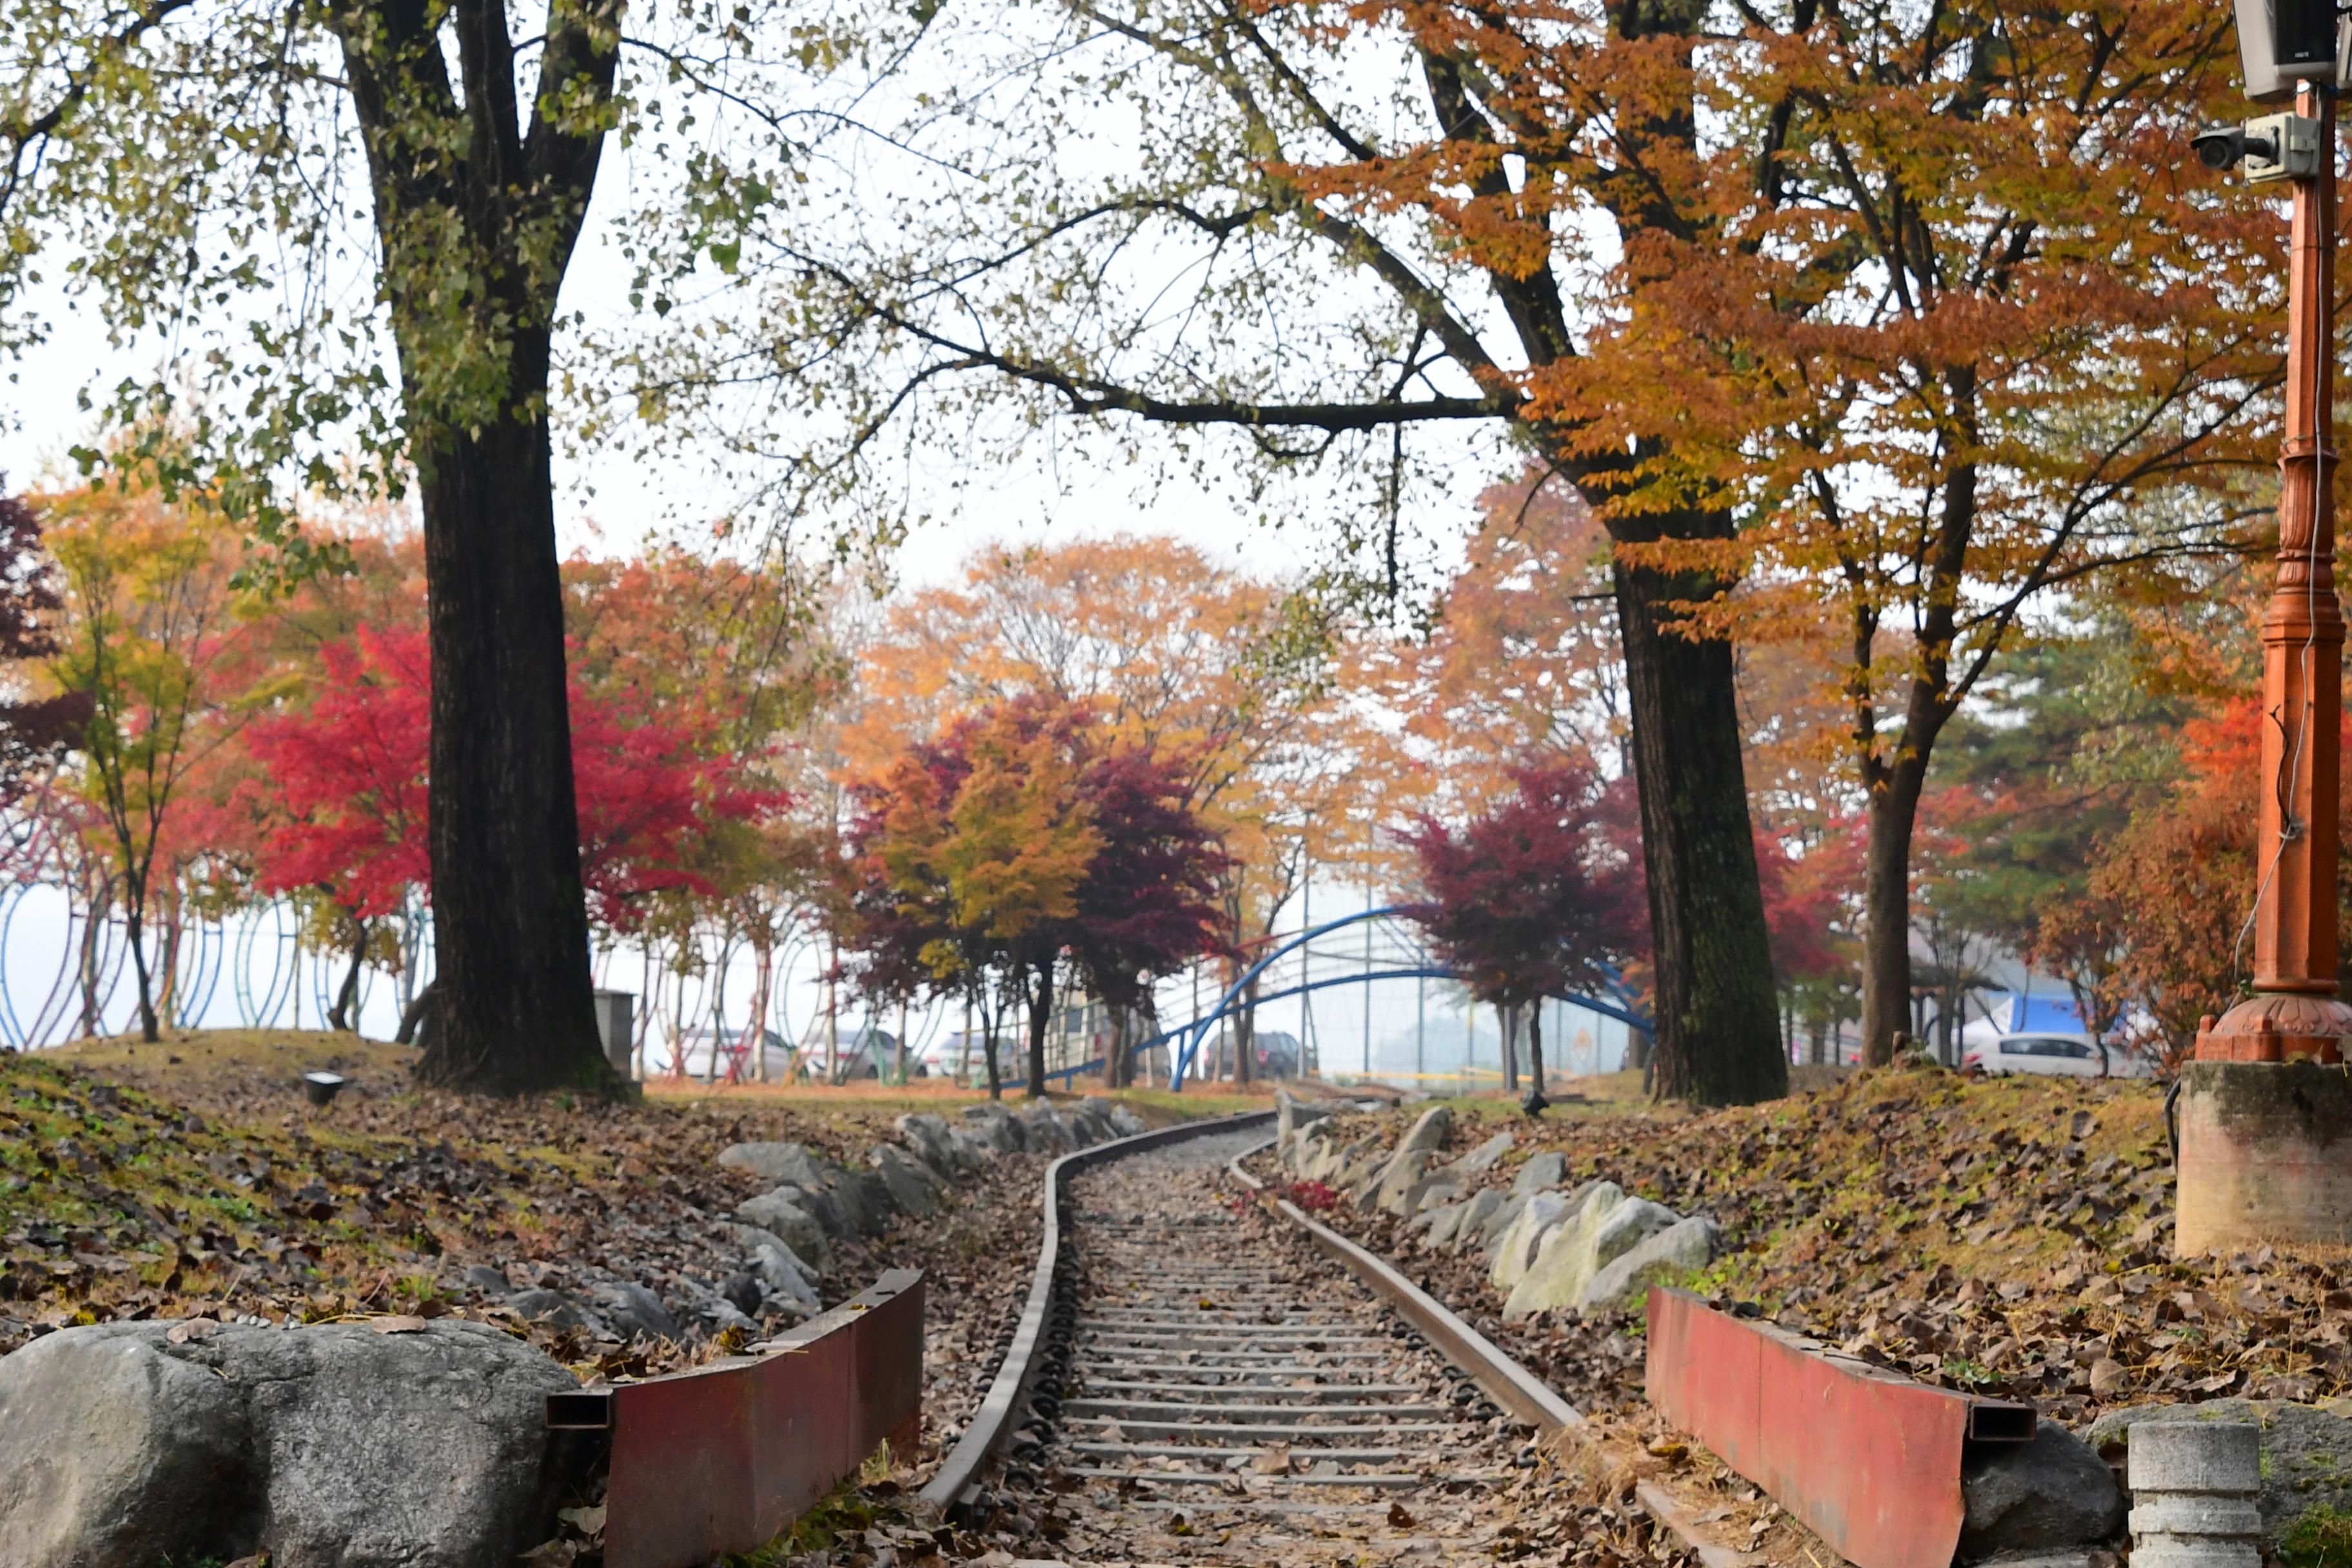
point(2066, 1055)
point(695, 1045)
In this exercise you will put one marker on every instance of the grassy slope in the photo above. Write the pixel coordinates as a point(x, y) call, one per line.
point(190, 1177)
point(2009, 1235)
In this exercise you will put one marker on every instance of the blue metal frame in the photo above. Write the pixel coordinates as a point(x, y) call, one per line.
point(1198, 1027)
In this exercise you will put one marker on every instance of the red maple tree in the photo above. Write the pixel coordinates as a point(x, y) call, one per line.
point(1534, 898)
point(348, 777)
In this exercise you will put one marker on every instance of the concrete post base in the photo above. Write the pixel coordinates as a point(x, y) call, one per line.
point(2193, 1486)
point(2266, 1155)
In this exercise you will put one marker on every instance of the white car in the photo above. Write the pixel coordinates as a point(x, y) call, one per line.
point(2066, 1055)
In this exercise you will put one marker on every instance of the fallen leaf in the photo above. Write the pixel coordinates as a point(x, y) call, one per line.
point(399, 1323)
point(1398, 1518)
point(586, 1521)
point(193, 1329)
point(1272, 1460)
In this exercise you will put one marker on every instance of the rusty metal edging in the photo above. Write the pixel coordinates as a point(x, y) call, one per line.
point(1868, 1459)
point(993, 1419)
point(721, 1459)
point(1502, 1378)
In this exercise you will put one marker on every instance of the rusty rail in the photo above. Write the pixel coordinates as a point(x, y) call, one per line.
point(1494, 1371)
point(1868, 1459)
point(723, 1457)
point(993, 1421)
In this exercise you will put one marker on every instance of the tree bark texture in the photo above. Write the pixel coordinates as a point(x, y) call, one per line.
point(1716, 1017)
point(1537, 1101)
point(347, 995)
point(1040, 1017)
point(1886, 901)
point(479, 197)
point(509, 917)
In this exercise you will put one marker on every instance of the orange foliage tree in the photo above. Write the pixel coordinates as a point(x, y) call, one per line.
point(1227, 676)
point(1968, 326)
point(2167, 906)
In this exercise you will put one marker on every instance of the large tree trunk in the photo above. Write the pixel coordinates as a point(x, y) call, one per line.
point(1716, 1020)
point(1040, 1017)
point(1536, 1101)
point(135, 921)
point(1886, 905)
point(478, 202)
point(346, 996)
point(510, 922)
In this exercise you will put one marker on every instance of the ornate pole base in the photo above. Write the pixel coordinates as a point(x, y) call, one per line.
point(2277, 1026)
point(2266, 1155)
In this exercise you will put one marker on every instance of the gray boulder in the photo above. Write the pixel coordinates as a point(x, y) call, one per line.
point(1046, 1130)
point(1484, 1158)
point(1293, 1116)
point(863, 1203)
point(948, 1150)
point(779, 1268)
point(1545, 1171)
point(1489, 1227)
point(1393, 1187)
point(1091, 1121)
point(910, 1188)
point(1439, 1223)
point(1515, 1247)
point(780, 1162)
point(2051, 1493)
point(1435, 1126)
point(557, 1310)
point(116, 1455)
point(635, 1311)
point(780, 1213)
point(1126, 1122)
point(488, 1280)
point(1434, 1191)
point(2306, 1451)
point(765, 1244)
point(1600, 1231)
point(328, 1446)
point(1667, 1258)
point(996, 1126)
point(1476, 1210)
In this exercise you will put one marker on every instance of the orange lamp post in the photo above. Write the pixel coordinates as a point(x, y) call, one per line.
point(2263, 1113)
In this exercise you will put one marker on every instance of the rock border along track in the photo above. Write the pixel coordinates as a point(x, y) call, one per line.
point(1503, 1379)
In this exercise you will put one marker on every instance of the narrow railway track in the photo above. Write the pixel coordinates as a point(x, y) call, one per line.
point(1204, 1394)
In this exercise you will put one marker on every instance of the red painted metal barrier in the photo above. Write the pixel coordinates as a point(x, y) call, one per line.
point(1869, 1461)
point(722, 1458)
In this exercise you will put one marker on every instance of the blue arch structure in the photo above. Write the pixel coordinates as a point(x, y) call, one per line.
point(1198, 1030)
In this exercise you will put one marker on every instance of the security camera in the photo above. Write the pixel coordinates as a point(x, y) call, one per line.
point(2222, 146)
point(2274, 147)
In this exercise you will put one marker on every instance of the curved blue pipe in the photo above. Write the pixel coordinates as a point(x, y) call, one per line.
point(1198, 1027)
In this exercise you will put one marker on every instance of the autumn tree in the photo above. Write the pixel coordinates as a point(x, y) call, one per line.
point(1230, 677)
point(1531, 899)
point(151, 649)
point(1364, 294)
point(346, 807)
point(2172, 890)
point(1972, 330)
point(206, 165)
point(1025, 846)
point(1152, 899)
